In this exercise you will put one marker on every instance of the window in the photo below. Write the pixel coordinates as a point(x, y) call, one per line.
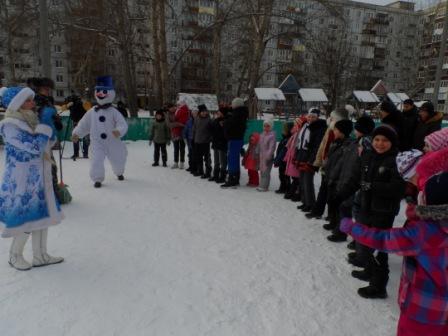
point(59, 78)
point(60, 93)
point(57, 48)
point(58, 63)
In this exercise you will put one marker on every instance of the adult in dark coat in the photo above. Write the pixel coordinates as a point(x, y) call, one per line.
point(429, 121)
point(219, 146)
point(309, 140)
point(410, 121)
point(391, 116)
point(77, 111)
point(234, 130)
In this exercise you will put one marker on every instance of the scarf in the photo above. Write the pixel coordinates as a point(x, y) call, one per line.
point(28, 116)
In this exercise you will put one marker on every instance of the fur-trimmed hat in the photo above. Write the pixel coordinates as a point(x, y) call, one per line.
point(36, 83)
point(407, 163)
point(269, 122)
point(202, 108)
point(15, 97)
point(428, 107)
point(389, 107)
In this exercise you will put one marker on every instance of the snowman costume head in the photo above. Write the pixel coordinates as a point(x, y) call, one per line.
point(104, 90)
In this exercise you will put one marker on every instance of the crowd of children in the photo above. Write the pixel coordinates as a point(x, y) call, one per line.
point(366, 171)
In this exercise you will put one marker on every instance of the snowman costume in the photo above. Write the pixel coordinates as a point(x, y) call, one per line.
point(27, 200)
point(101, 122)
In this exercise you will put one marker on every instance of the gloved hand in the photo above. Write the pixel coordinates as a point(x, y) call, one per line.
point(150, 143)
point(366, 186)
point(346, 225)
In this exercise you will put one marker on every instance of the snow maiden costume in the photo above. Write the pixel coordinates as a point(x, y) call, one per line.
point(27, 199)
point(106, 126)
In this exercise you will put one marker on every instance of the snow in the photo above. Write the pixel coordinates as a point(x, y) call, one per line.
point(313, 95)
point(366, 97)
point(164, 253)
point(269, 94)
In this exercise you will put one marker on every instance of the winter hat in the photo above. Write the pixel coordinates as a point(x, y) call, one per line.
point(344, 126)
point(388, 107)
point(365, 125)
point(202, 108)
point(15, 97)
point(429, 107)
point(314, 111)
point(269, 122)
point(287, 127)
point(237, 102)
point(387, 131)
point(407, 163)
point(437, 140)
point(339, 114)
point(36, 83)
point(408, 102)
point(435, 189)
point(160, 112)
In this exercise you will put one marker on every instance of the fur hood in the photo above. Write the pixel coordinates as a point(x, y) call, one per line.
point(434, 212)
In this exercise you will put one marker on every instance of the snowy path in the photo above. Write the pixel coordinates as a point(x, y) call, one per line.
point(164, 253)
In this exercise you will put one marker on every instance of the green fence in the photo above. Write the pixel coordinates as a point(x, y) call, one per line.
point(139, 128)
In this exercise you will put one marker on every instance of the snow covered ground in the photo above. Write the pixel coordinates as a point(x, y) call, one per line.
point(164, 253)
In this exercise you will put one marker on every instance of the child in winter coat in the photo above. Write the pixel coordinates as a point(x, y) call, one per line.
point(423, 293)
point(27, 198)
point(436, 141)
point(251, 160)
point(382, 189)
point(219, 146)
point(291, 169)
point(267, 150)
point(187, 134)
point(161, 136)
point(279, 161)
point(202, 137)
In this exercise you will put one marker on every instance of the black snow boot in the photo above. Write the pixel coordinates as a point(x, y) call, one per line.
point(372, 292)
point(97, 185)
point(231, 182)
point(120, 177)
point(337, 237)
point(155, 164)
point(363, 275)
point(352, 245)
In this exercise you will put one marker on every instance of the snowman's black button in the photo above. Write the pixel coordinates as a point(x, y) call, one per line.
point(103, 136)
point(102, 118)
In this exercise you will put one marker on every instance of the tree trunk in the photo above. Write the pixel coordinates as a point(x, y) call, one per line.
point(157, 88)
point(164, 76)
point(217, 36)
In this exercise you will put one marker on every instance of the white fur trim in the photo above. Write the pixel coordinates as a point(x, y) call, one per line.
point(17, 102)
point(44, 129)
point(16, 122)
point(237, 102)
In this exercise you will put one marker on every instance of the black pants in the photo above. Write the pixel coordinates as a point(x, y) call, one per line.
point(191, 157)
point(179, 148)
point(220, 163)
point(377, 265)
point(285, 180)
point(307, 189)
point(160, 148)
point(85, 147)
point(321, 201)
point(203, 158)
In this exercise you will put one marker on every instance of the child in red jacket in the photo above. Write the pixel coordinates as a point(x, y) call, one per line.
point(251, 160)
point(423, 241)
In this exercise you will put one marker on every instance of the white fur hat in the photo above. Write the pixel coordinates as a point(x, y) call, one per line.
point(14, 97)
point(237, 102)
point(269, 122)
